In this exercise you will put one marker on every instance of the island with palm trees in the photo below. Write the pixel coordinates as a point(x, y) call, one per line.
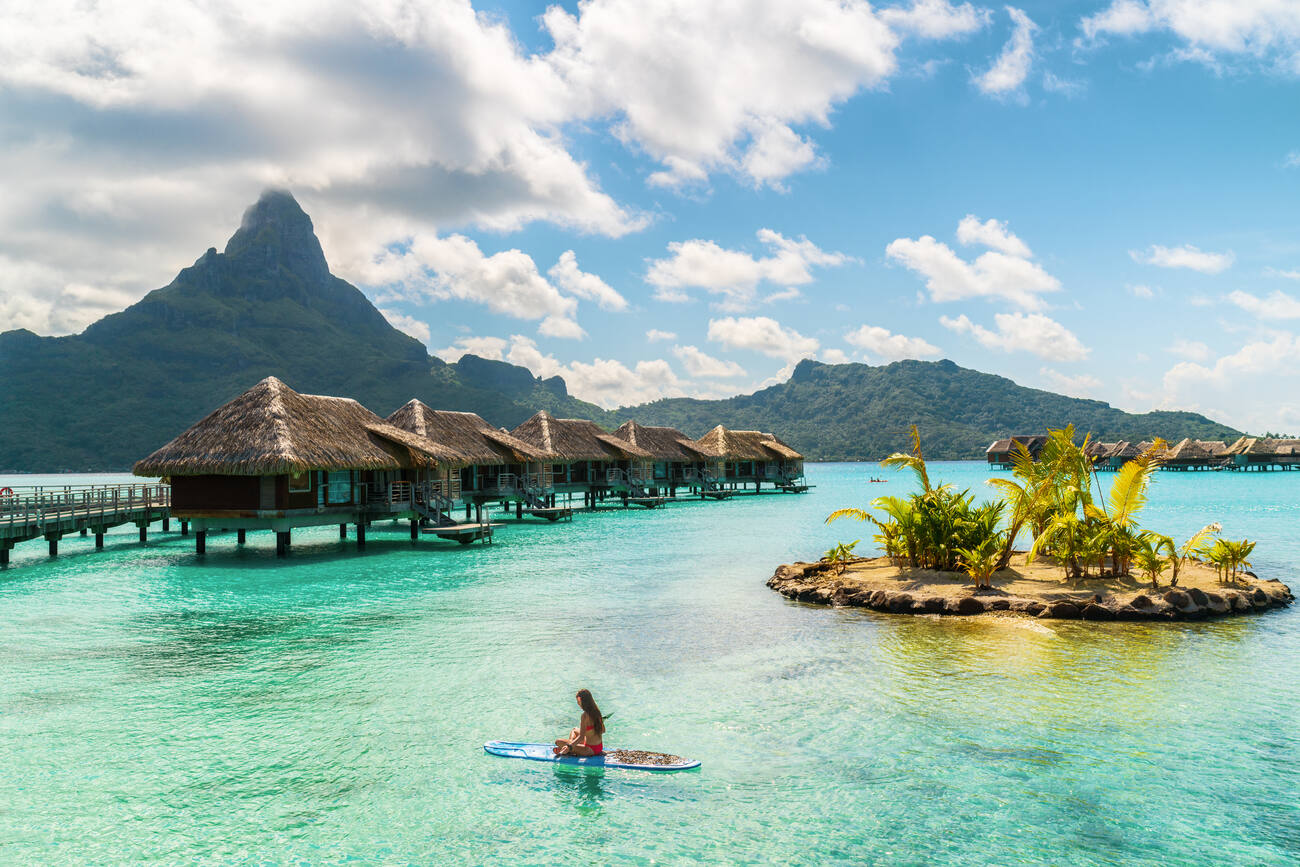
point(1087, 556)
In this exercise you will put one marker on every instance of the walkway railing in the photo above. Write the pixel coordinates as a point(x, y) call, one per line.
point(36, 508)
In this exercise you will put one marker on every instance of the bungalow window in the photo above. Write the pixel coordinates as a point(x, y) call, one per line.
point(299, 480)
point(339, 487)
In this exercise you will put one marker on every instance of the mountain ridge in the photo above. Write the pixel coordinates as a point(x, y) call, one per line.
point(268, 305)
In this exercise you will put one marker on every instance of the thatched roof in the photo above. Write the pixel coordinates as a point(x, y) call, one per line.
point(663, 443)
point(468, 434)
point(1195, 450)
point(744, 445)
point(1033, 442)
point(272, 429)
point(1261, 447)
point(575, 439)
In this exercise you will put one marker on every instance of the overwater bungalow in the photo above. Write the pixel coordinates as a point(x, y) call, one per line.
point(1190, 454)
point(676, 461)
point(587, 460)
point(1259, 453)
point(739, 458)
point(999, 453)
point(501, 467)
point(275, 459)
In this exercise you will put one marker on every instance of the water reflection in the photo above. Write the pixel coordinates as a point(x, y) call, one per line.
point(583, 789)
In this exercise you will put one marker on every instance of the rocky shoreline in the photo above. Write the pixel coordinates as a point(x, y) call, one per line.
point(818, 584)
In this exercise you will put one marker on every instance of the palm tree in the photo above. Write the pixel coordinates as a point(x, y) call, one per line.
point(914, 462)
point(1148, 557)
point(1178, 556)
point(1118, 513)
point(841, 554)
point(981, 562)
point(1025, 499)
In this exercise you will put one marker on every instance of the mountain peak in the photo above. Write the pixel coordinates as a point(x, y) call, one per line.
point(277, 233)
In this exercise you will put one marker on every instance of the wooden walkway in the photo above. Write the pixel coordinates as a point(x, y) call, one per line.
point(53, 512)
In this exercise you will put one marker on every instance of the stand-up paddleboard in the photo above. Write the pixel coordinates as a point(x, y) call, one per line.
point(634, 760)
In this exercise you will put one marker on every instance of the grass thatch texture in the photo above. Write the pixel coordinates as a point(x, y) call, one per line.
point(744, 445)
point(573, 439)
point(272, 429)
point(663, 443)
point(468, 434)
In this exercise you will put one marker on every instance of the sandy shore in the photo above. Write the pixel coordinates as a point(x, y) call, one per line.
point(1034, 590)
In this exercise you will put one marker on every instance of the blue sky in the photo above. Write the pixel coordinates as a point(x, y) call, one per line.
point(1098, 198)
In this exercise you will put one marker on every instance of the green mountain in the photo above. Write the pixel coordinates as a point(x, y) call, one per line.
point(855, 411)
point(268, 305)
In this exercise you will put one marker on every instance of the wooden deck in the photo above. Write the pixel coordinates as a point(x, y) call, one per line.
point(464, 533)
point(53, 512)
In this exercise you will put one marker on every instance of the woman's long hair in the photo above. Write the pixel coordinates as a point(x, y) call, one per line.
point(589, 707)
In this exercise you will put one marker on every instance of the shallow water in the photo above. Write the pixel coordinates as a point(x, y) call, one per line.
point(331, 707)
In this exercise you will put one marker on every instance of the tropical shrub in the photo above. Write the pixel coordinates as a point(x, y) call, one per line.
point(840, 555)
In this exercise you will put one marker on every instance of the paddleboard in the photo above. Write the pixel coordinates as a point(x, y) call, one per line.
point(611, 759)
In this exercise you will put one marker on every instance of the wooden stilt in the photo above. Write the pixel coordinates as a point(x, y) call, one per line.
point(83, 531)
point(201, 542)
point(185, 528)
point(54, 545)
point(99, 541)
point(343, 531)
point(167, 525)
point(4, 556)
point(415, 530)
point(144, 533)
point(282, 543)
point(361, 535)
point(241, 536)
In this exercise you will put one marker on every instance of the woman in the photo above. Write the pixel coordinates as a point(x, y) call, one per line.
point(588, 738)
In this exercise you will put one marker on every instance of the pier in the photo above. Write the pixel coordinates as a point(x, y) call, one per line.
point(51, 513)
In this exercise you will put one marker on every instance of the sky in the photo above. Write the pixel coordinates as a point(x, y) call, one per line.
point(659, 198)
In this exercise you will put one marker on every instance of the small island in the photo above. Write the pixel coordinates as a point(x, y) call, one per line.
point(1089, 558)
point(1032, 590)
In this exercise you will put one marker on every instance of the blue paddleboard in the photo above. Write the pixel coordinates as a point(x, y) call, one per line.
point(542, 753)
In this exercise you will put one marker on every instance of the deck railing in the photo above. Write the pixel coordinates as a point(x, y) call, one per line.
point(42, 506)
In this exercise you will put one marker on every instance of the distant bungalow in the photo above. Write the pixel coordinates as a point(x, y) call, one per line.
point(586, 459)
point(739, 458)
point(676, 461)
point(1247, 453)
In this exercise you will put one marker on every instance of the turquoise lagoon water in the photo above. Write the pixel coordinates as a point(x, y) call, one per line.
point(330, 708)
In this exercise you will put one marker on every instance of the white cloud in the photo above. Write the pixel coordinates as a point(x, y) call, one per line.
point(567, 275)
point(1247, 388)
point(429, 267)
point(702, 87)
point(1020, 332)
point(1186, 256)
point(1009, 71)
point(1068, 87)
point(788, 294)
point(1292, 160)
point(936, 19)
point(1193, 349)
point(654, 335)
point(734, 275)
point(407, 324)
point(992, 233)
point(762, 334)
point(1293, 274)
point(698, 363)
point(602, 381)
point(491, 348)
point(1278, 305)
point(1266, 30)
point(1142, 291)
point(1080, 385)
point(993, 274)
point(835, 356)
point(882, 343)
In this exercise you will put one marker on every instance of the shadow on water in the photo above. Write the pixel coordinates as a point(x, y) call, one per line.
point(583, 789)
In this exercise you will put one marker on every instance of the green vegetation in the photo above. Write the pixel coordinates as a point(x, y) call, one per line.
point(839, 555)
point(1052, 499)
point(860, 412)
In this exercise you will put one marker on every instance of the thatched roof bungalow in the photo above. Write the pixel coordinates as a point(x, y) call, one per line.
point(999, 453)
point(272, 450)
point(1262, 452)
point(675, 456)
point(1195, 454)
point(584, 456)
point(496, 463)
point(750, 455)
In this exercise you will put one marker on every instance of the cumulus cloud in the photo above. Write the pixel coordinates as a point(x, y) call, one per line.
point(734, 275)
point(884, 344)
point(567, 275)
point(433, 268)
point(1078, 385)
point(1277, 305)
point(835, 356)
point(1021, 332)
point(762, 334)
point(654, 335)
point(407, 324)
point(1142, 291)
point(1247, 388)
point(602, 381)
point(1292, 274)
point(1009, 71)
point(701, 364)
point(936, 19)
point(1005, 271)
point(491, 348)
point(1267, 31)
point(135, 134)
point(1186, 256)
point(1193, 349)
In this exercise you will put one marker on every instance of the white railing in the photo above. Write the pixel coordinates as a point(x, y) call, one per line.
point(41, 506)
